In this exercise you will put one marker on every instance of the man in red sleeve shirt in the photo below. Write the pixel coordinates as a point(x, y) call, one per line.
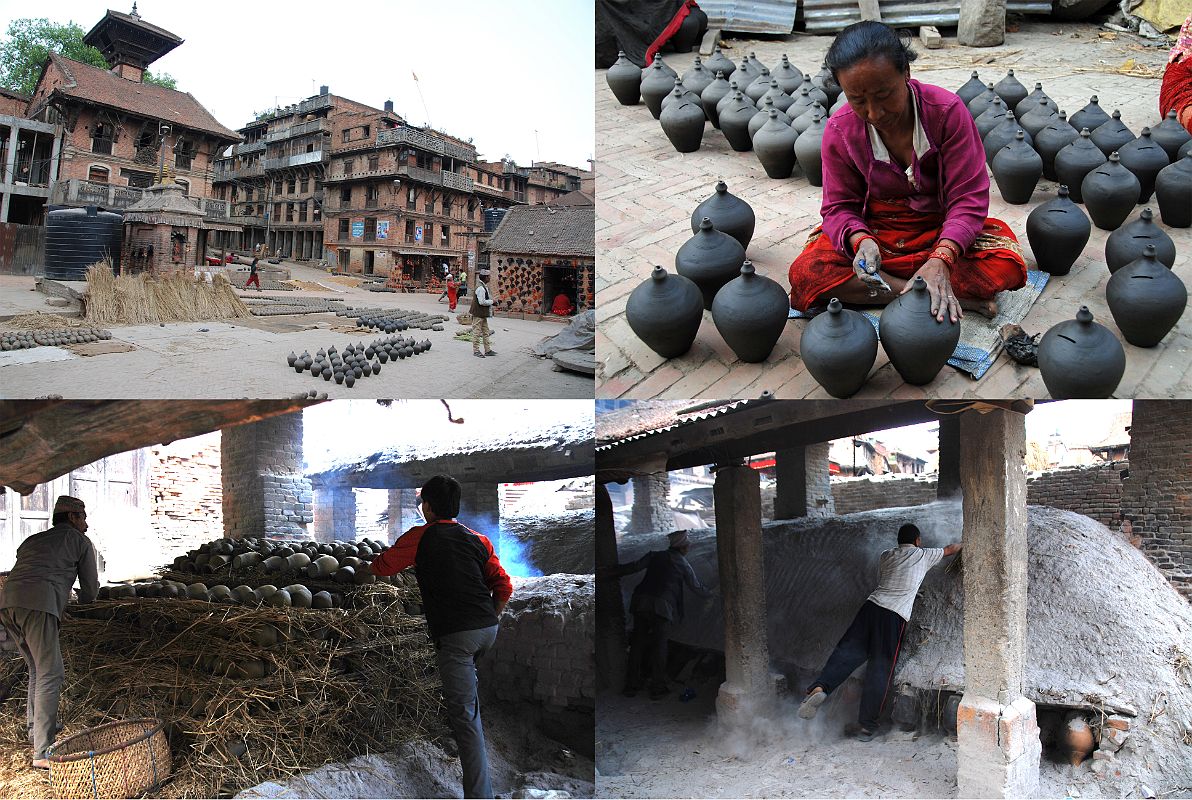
point(464, 589)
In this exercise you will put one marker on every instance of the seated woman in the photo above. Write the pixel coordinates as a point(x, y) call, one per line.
point(1176, 91)
point(562, 306)
point(905, 191)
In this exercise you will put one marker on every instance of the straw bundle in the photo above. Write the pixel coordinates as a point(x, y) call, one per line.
point(39, 321)
point(146, 298)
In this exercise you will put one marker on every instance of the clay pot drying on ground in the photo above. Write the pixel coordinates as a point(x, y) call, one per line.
point(665, 312)
point(774, 146)
point(1185, 150)
point(782, 100)
point(625, 80)
point(808, 117)
point(1144, 157)
point(1057, 231)
point(1081, 358)
point(759, 86)
point(1076, 160)
point(993, 116)
point(1110, 193)
point(1111, 135)
point(788, 75)
point(1017, 169)
point(710, 258)
point(1028, 103)
point(712, 95)
point(840, 103)
point(679, 92)
point(698, 77)
point(1171, 135)
point(1001, 135)
point(803, 101)
point(729, 96)
point(719, 62)
point(1173, 190)
point(814, 92)
point(1042, 115)
point(1146, 299)
point(683, 122)
point(1011, 90)
point(763, 116)
point(807, 151)
point(970, 88)
point(1078, 739)
point(751, 312)
point(728, 213)
point(1057, 135)
point(734, 122)
point(918, 345)
point(656, 84)
point(753, 65)
point(690, 31)
point(824, 81)
point(839, 348)
point(1092, 116)
point(1130, 241)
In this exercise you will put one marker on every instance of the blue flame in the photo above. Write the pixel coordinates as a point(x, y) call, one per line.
point(514, 559)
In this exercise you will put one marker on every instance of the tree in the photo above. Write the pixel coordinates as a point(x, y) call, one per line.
point(165, 79)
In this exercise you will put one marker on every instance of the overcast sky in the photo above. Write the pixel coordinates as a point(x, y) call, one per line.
point(515, 76)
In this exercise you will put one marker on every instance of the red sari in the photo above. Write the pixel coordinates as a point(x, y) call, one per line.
point(906, 239)
point(452, 294)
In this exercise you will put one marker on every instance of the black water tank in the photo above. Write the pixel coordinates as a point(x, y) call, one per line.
point(78, 237)
point(492, 218)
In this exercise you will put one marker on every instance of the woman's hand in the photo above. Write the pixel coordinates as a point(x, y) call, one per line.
point(867, 262)
point(939, 286)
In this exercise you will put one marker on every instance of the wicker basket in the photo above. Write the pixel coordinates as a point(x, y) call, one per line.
point(118, 759)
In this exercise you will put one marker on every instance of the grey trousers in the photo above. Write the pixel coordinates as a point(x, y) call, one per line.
point(457, 654)
point(36, 634)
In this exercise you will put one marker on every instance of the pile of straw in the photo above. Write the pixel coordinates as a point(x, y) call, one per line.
point(146, 298)
point(341, 683)
point(39, 321)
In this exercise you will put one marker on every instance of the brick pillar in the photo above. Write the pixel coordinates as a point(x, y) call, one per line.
point(749, 688)
point(394, 527)
point(264, 490)
point(651, 511)
point(997, 734)
point(947, 485)
point(610, 608)
point(1157, 495)
point(480, 510)
point(335, 514)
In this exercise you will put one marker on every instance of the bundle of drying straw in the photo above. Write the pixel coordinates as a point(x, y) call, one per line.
point(146, 298)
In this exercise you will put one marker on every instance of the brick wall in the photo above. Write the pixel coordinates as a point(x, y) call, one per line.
point(186, 493)
point(168, 254)
point(519, 288)
point(865, 494)
point(265, 492)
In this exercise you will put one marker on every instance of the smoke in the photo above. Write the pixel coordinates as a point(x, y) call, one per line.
point(511, 551)
point(759, 727)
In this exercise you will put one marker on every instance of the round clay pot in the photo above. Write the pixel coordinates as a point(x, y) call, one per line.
point(244, 594)
point(712, 95)
point(665, 312)
point(774, 146)
point(803, 101)
point(698, 77)
point(719, 62)
point(763, 116)
point(625, 79)
point(1078, 739)
point(1076, 160)
point(1110, 193)
point(728, 213)
point(824, 81)
point(1057, 231)
point(782, 100)
point(729, 97)
point(274, 563)
point(683, 122)
point(1171, 135)
point(840, 103)
point(1003, 134)
point(970, 88)
point(993, 116)
point(750, 313)
point(808, 117)
point(814, 91)
point(1092, 116)
point(657, 82)
point(1010, 90)
point(297, 561)
point(1057, 135)
point(788, 75)
point(680, 92)
point(1146, 299)
point(734, 122)
point(1081, 359)
point(1173, 190)
point(839, 348)
point(1017, 169)
point(807, 151)
point(1144, 157)
point(710, 259)
point(754, 65)
point(291, 358)
point(299, 595)
point(321, 600)
point(918, 345)
point(1111, 135)
point(1042, 115)
point(759, 86)
point(747, 72)
point(1130, 241)
point(1028, 103)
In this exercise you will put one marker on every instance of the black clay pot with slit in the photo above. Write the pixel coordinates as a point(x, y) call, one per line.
point(1171, 135)
point(824, 81)
point(1028, 103)
point(991, 117)
point(839, 348)
point(734, 122)
point(809, 117)
point(710, 259)
point(1017, 169)
point(1057, 231)
point(814, 91)
point(1076, 160)
point(970, 88)
point(665, 312)
point(1111, 135)
point(788, 75)
point(763, 116)
point(624, 79)
point(1092, 116)
point(808, 152)
point(1081, 358)
point(719, 62)
point(759, 86)
point(734, 86)
point(1053, 138)
point(711, 96)
point(1002, 135)
point(774, 146)
point(1146, 299)
point(657, 83)
point(748, 70)
point(1131, 240)
point(803, 101)
point(1144, 157)
point(1042, 115)
point(683, 122)
point(918, 345)
point(729, 214)
point(782, 100)
point(680, 91)
point(698, 77)
point(1110, 193)
point(1011, 90)
point(1173, 191)
point(750, 312)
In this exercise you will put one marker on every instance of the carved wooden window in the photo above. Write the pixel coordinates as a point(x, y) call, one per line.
point(102, 136)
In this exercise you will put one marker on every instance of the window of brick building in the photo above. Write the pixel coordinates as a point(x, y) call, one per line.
point(428, 233)
point(430, 205)
point(277, 186)
point(344, 224)
point(289, 212)
point(98, 174)
point(310, 147)
point(370, 229)
point(291, 185)
point(302, 211)
point(303, 185)
point(346, 134)
point(445, 236)
point(345, 195)
point(276, 211)
point(411, 197)
point(446, 206)
point(409, 231)
point(349, 165)
point(374, 163)
point(364, 132)
point(184, 154)
point(138, 179)
point(372, 195)
point(102, 137)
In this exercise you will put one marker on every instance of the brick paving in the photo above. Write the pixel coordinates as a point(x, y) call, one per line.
point(646, 192)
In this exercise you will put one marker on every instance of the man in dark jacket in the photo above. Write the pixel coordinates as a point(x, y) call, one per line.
point(657, 607)
point(31, 605)
point(481, 310)
point(464, 590)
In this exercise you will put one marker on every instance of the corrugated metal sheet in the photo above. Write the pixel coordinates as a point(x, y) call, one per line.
point(751, 16)
point(831, 16)
point(680, 419)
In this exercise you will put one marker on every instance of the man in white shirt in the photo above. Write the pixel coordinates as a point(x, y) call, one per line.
point(875, 634)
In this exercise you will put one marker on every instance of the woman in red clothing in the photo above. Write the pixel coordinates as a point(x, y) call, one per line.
point(562, 306)
point(1176, 91)
point(452, 293)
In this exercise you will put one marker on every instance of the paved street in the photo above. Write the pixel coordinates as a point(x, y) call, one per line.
point(646, 192)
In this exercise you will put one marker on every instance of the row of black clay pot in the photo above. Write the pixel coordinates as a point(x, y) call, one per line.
point(1146, 299)
point(683, 121)
point(1017, 169)
point(1110, 193)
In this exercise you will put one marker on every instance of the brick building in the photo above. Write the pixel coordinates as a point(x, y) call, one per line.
point(539, 252)
point(28, 161)
point(547, 180)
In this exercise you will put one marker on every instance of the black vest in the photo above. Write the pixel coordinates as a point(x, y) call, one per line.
point(449, 565)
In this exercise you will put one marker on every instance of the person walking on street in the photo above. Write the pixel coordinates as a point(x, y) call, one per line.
point(875, 634)
point(446, 280)
point(31, 605)
point(464, 590)
point(253, 276)
point(452, 293)
point(481, 310)
point(463, 283)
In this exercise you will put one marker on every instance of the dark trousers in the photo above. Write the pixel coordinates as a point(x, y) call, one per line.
point(647, 650)
point(457, 654)
point(874, 636)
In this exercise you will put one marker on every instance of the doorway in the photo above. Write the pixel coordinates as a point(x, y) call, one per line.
point(557, 280)
point(368, 262)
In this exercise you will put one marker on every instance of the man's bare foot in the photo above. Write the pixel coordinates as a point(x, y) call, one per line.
point(40, 763)
point(986, 308)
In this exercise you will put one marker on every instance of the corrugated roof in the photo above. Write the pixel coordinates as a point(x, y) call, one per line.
point(831, 16)
point(546, 230)
point(652, 417)
point(751, 16)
